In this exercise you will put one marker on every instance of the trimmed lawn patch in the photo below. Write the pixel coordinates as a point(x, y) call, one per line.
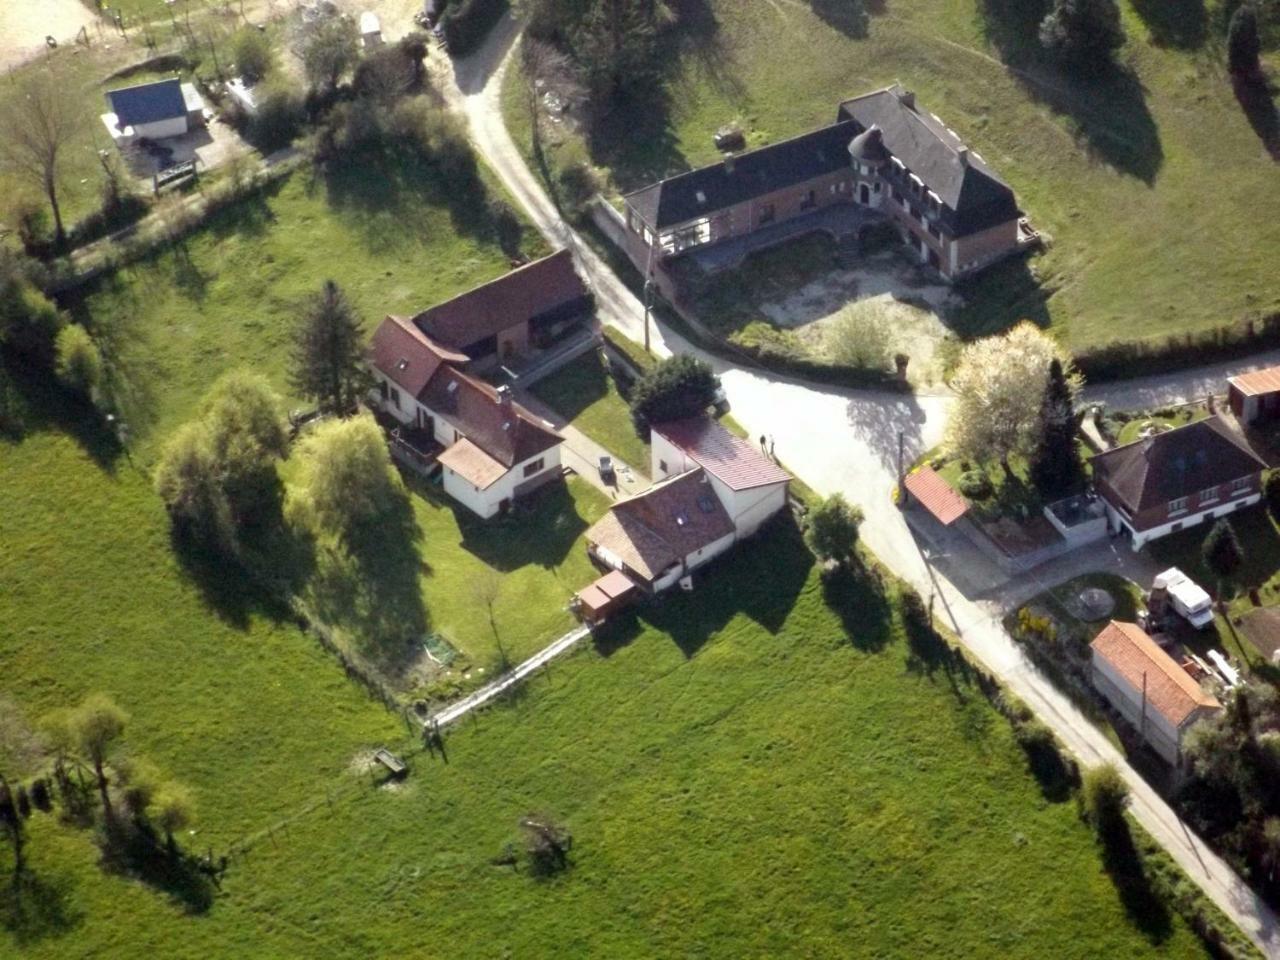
point(585, 393)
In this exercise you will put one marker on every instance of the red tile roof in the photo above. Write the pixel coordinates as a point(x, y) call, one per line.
point(517, 297)
point(736, 462)
point(935, 495)
point(612, 587)
point(1171, 691)
point(1257, 382)
point(472, 464)
point(503, 429)
point(407, 355)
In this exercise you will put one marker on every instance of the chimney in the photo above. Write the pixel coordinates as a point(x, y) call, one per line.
point(728, 163)
point(963, 154)
point(504, 396)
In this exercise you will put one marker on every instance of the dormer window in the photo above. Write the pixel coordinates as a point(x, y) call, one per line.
point(403, 364)
point(1178, 506)
point(702, 197)
point(1208, 496)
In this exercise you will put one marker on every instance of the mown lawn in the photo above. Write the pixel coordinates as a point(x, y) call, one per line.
point(1114, 169)
point(746, 772)
point(585, 393)
point(230, 295)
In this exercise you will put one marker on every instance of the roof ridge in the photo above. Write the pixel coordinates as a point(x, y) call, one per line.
point(488, 283)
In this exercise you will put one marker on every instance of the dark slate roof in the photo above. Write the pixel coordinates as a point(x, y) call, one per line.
point(148, 102)
point(974, 196)
point(755, 173)
point(869, 146)
point(1178, 463)
point(531, 291)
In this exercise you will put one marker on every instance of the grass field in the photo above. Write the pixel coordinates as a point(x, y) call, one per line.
point(747, 772)
point(1124, 173)
point(231, 293)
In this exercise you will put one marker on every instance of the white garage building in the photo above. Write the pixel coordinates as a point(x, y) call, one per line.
point(164, 108)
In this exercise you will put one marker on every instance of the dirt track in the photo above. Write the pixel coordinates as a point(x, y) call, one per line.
point(25, 23)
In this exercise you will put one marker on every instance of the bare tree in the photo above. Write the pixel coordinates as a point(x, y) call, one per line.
point(486, 587)
point(41, 120)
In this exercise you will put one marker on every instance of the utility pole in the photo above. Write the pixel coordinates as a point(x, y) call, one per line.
point(648, 293)
point(902, 489)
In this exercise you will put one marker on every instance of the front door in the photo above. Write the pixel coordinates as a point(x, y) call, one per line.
point(864, 194)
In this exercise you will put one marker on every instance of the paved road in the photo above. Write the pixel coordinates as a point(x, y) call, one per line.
point(1180, 387)
point(847, 441)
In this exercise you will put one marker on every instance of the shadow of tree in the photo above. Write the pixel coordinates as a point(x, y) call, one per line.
point(1258, 104)
point(136, 850)
point(855, 594)
point(1123, 863)
point(45, 406)
point(388, 195)
point(1013, 27)
point(850, 17)
point(35, 908)
point(1056, 779)
point(1000, 297)
point(1109, 114)
point(876, 421)
point(366, 586)
point(1183, 24)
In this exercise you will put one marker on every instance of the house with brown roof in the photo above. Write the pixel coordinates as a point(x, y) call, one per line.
point(1160, 699)
point(1177, 479)
point(1255, 396)
point(711, 490)
point(490, 449)
point(503, 320)
point(883, 155)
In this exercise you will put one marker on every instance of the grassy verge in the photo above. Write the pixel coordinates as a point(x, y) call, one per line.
point(768, 731)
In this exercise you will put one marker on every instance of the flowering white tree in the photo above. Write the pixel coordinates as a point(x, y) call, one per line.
point(999, 386)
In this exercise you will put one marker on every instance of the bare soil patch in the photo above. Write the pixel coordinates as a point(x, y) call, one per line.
point(24, 24)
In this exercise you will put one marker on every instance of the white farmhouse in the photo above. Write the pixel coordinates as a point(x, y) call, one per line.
point(711, 489)
point(490, 449)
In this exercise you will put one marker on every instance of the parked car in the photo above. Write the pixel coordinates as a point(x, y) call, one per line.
point(607, 472)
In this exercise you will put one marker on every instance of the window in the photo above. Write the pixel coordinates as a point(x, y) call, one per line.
point(1178, 506)
point(896, 194)
point(1209, 495)
point(937, 234)
point(1241, 485)
point(809, 200)
point(662, 466)
point(536, 467)
point(395, 397)
point(382, 390)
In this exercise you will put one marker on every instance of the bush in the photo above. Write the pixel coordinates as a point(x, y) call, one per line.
point(831, 530)
point(466, 23)
point(79, 364)
point(577, 185)
point(678, 387)
point(859, 338)
point(1082, 32)
point(975, 484)
point(279, 116)
point(29, 322)
point(1103, 797)
point(1135, 358)
point(252, 53)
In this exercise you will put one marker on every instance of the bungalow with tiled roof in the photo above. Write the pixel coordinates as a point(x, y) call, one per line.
point(1160, 699)
point(711, 490)
point(883, 154)
point(494, 450)
point(499, 321)
point(1177, 479)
